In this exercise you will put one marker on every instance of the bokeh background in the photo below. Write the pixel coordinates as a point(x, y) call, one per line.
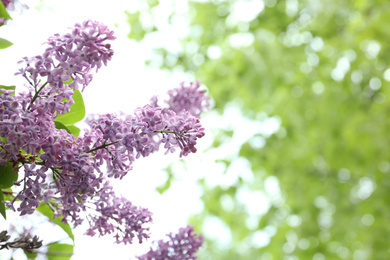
point(296, 164)
point(317, 188)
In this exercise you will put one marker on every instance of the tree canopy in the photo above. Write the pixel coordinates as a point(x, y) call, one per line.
point(322, 68)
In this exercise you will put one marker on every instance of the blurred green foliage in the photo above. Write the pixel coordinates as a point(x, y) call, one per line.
point(323, 68)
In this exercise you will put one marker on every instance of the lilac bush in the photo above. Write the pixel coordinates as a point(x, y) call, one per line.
point(71, 173)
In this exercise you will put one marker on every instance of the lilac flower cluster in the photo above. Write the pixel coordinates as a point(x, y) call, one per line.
point(180, 246)
point(186, 99)
point(67, 64)
point(61, 172)
point(58, 169)
point(119, 216)
point(34, 181)
point(142, 133)
point(66, 172)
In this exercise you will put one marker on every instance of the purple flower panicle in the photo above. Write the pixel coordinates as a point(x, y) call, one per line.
point(186, 98)
point(71, 56)
point(129, 138)
point(66, 172)
point(180, 246)
point(66, 64)
point(119, 216)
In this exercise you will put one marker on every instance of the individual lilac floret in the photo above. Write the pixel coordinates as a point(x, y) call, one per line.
point(180, 246)
point(186, 99)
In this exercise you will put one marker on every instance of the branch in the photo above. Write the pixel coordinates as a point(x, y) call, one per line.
point(36, 95)
point(101, 147)
point(24, 242)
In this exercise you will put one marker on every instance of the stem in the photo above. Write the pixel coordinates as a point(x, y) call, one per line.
point(29, 81)
point(101, 147)
point(24, 185)
point(57, 173)
point(36, 95)
point(156, 132)
point(171, 132)
point(28, 162)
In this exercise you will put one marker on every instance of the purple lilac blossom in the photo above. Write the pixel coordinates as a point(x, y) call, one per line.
point(34, 181)
point(67, 64)
point(186, 98)
point(140, 135)
point(119, 216)
point(27, 124)
point(113, 141)
point(180, 246)
point(73, 181)
point(65, 172)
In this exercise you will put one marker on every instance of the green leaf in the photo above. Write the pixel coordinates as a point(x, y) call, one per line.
point(165, 186)
point(7, 176)
point(32, 255)
point(74, 130)
point(3, 12)
point(69, 81)
point(5, 43)
point(2, 206)
point(48, 212)
point(76, 113)
point(57, 251)
point(60, 125)
point(71, 129)
point(7, 88)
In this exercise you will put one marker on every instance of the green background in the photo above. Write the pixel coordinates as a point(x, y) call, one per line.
point(321, 67)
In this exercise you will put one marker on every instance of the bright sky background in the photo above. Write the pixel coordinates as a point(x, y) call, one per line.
point(122, 86)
